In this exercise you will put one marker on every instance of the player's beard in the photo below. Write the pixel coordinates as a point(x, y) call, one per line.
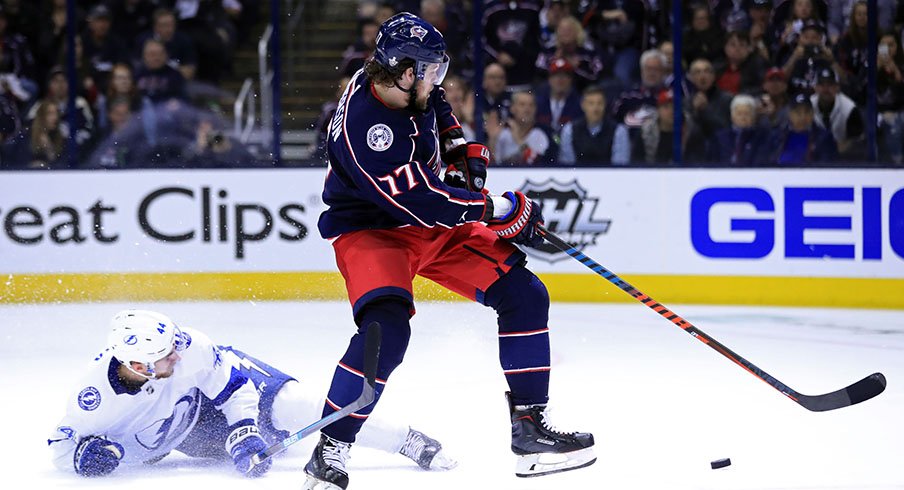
point(414, 104)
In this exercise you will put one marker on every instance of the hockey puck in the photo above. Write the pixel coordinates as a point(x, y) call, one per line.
point(720, 463)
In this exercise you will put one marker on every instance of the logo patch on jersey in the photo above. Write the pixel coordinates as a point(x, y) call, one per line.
point(130, 339)
point(418, 32)
point(379, 137)
point(570, 212)
point(89, 399)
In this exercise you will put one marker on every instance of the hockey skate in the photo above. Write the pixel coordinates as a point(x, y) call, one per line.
point(426, 452)
point(543, 450)
point(326, 469)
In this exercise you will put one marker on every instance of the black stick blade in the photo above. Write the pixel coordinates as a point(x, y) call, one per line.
point(372, 340)
point(860, 391)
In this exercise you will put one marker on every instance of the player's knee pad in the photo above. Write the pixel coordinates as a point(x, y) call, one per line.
point(393, 315)
point(519, 298)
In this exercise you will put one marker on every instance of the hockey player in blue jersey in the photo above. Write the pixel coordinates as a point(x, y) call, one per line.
point(159, 388)
point(392, 217)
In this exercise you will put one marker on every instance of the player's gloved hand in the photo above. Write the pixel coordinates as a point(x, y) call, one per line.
point(96, 456)
point(466, 166)
point(520, 224)
point(245, 441)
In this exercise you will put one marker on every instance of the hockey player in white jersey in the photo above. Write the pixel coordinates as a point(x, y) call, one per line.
point(158, 388)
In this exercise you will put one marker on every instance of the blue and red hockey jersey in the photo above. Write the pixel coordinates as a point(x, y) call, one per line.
point(384, 166)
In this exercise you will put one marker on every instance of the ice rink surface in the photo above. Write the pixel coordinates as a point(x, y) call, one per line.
point(661, 404)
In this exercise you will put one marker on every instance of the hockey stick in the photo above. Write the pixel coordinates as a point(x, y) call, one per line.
point(371, 356)
point(860, 391)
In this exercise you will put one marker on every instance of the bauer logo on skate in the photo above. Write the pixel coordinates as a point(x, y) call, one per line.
point(569, 212)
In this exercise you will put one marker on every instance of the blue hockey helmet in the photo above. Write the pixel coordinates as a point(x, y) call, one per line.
point(407, 36)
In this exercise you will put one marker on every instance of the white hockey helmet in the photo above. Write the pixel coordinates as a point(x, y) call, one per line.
point(142, 336)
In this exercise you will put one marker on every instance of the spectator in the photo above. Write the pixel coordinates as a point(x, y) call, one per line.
point(48, 138)
point(809, 57)
point(787, 26)
point(24, 17)
point(742, 69)
point(101, 48)
point(760, 12)
point(461, 99)
point(774, 101)
point(122, 87)
point(640, 102)
point(745, 143)
point(802, 142)
point(709, 106)
point(550, 15)
point(180, 49)
point(593, 138)
point(210, 26)
point(523, 141)
point(356, 54)
point(890, 99)
point(851, 53)
point(12, 95)
point(703, 38)
point(618, 27)
point(495, 97)
point(571, 44)
point(51, 38)
point(131, 17)
point(653, 143)
point(214, 149)
point(58, 94)
point(156, 79)
point(327, 111)
point(17, 56)
point(838, 114)
point(558, 101)
point(451, 21)
point(732, 14)
point(512, 33)
point(841, 11)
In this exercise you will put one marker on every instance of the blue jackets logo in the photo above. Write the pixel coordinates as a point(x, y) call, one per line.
point(854, 229)
point(568, 212)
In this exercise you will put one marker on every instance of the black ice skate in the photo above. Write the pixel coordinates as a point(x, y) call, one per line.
point(326, 469)
point(426, 452)
point(543, 450)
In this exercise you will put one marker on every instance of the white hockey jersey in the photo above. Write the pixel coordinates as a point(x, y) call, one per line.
point(154, 420)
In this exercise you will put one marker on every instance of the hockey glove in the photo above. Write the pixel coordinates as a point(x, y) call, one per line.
point(519, 225)
point(466, 166)
point(96, 456)
point(245, 441)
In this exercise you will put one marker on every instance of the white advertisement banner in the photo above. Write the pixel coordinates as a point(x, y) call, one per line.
point(803, 223)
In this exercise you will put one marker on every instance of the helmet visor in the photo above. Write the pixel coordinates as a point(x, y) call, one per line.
point(433, 73)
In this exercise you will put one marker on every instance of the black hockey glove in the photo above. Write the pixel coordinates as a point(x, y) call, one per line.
point(466, 166)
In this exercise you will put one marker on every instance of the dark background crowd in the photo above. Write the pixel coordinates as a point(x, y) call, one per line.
point(590, 82)
point(570, 83)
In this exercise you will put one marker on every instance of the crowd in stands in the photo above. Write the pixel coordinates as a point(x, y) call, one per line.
point(590, 82)
point(146, 92)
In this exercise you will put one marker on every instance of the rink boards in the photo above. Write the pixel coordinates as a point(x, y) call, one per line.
point(822, 237)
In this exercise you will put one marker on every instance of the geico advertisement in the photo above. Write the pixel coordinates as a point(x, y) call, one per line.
point(176, 221)
point(826, 223)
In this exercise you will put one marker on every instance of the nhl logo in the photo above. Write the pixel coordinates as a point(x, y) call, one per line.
point(418, 32)
point(569, 212)
point(379, 137)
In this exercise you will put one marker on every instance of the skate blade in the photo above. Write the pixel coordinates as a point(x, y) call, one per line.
point(311, 483)
point(441, 462)
point(539, 464)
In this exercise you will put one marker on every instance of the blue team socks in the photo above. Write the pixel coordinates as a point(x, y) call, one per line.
point(522, 305)
point(393, 316)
